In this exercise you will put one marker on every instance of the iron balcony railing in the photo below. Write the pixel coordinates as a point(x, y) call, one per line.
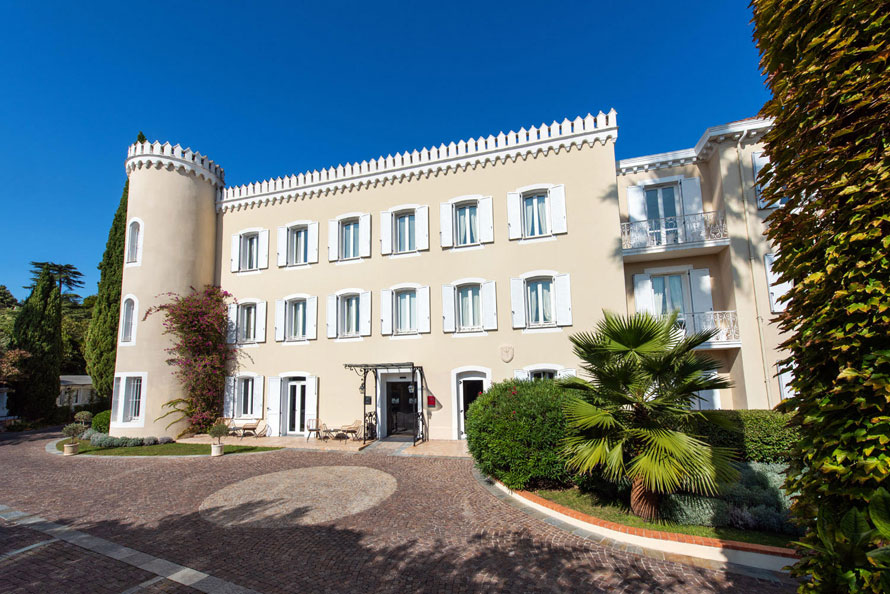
point(691, 228)
point(726, 323)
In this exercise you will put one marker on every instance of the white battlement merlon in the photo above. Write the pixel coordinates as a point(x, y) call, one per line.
point(148, 154)
point(587, 130)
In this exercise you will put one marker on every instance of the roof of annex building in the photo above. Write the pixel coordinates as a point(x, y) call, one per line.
point(714, 135)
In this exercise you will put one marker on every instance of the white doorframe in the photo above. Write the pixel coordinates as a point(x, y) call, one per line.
point(457, 374)
point(290, 381)
point(394, 375)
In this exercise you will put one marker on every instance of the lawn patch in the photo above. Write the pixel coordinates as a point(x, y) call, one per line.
point(164, 449)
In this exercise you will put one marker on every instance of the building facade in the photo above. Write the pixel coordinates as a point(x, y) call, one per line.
point(444, 269)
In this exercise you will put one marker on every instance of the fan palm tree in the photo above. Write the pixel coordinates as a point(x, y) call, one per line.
point(634, 416)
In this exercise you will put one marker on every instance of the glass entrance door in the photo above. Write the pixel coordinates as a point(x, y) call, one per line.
point(401, 407)
point(470, 389)
point(295, 407)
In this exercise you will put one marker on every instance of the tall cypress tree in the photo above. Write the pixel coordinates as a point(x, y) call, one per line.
point(36, 331)
point(101, 345)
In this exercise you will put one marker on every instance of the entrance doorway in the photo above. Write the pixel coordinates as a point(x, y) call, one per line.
point(295, 406)
point(401, 408)
point(468, 389)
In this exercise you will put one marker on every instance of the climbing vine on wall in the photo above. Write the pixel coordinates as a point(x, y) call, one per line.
point(198, 322)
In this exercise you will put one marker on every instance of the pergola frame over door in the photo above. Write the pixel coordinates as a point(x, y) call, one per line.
point(421, 430)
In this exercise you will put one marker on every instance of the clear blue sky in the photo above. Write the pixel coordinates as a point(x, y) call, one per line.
point(273, 88)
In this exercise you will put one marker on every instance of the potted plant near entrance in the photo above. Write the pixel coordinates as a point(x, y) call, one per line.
point(72, 431)
point(218, 431)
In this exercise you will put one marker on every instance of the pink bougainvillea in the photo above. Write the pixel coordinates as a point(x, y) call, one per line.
point(199, 323)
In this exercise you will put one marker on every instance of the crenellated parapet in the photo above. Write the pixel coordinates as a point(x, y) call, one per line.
point(402, 166)
point(157, 155)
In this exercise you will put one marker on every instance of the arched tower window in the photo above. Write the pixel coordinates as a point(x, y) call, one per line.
point(128, 319)
point(134, 242)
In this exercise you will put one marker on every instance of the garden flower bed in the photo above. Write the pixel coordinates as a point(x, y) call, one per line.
point(588, 503)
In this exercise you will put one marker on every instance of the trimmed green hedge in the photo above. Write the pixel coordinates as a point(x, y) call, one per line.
point(759, 435)
point(514, 433)
point(101, 421)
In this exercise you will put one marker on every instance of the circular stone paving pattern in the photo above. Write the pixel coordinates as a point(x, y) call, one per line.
point(302, 496)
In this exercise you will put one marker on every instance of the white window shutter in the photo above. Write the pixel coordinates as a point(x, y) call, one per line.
point(486, 220)
point(563, 285)
point(447, 308)
point(690, 187)
point(785, 378)
point(232, 328)
point(311, 318)
point(229, 399)
point(517, 302)
point(422, 227)
point(117, 399)
point(280, 319)
point(261, 321)
point(264, 248)
point(564, 373)
point(700, 283)
point(311, 398)
point(758, 162)
point(708, 400)
point(332, 316)
point(446, 224)
point(386, 313)
point(514, 216)
point(282, 246)
point(777, 289)
point(636, 204)
point(489, 306)
point(333, 240)
point(644, 297)
point(521, 375)
point(557, 197)
point(423, 309)
point(312, 242)
point(364, 235)
point(236, 253)
point(385, 232)
point(273, 407)
point(364, 313)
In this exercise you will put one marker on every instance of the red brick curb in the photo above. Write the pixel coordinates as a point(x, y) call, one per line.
point(685, 538)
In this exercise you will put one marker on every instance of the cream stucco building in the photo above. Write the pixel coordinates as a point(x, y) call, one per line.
point(443, 270)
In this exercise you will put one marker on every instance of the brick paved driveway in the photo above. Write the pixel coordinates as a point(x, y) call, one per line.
point(439, 532)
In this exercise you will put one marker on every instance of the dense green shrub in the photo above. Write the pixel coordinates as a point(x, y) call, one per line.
point(758, 435)
point(756, 502)
point(102, 421)
point(149, 441)
point(695, 510)
point(165, 439)
point(514, 433)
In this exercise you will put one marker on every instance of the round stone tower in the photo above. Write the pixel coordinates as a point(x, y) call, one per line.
point(170, 247)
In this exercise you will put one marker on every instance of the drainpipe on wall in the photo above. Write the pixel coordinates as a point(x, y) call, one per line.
point(766, 375)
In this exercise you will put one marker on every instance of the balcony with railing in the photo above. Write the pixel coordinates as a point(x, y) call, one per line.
point(698, 230)
point(726, 324)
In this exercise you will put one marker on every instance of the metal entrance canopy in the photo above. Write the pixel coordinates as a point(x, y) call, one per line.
point(421, 431)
